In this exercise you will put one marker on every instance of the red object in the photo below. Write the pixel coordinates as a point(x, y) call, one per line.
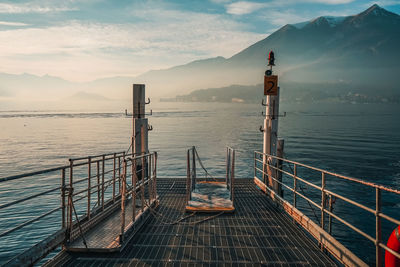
point(393, 243)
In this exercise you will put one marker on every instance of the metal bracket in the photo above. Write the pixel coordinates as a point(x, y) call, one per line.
point(149, 128)
point(263, 103)
point(148, 101)
point(262, 129)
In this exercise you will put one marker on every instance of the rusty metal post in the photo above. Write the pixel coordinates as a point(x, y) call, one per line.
point(227, 166)
point(102, 182)
point(142, 182)
point(134, 182)
point(255, 164)
point(279, 165)
point(294, 185)
point(155, 174)
point(194, 169)
point(188, 178)
point(322, 200)
point(63, 198)
point(149, 178)
point(113, 189)
point(98, 182)
point(89, 186)
point(121, 238)
point(119, 174)
point(378, 237)
point(71, 163)
point(330, 217)
point(233, 175)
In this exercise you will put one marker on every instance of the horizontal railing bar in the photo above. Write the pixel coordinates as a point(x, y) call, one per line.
point(94, 186)
point(19, 176)
point(388, 189)
point(99, 155)
point(382, 245)
point(393, 220)
point(140, 157)
point(297, 193)
point(350, 226)
point(29, 222)
point(297, 177)
point(27, 198)
point(351, 201)
point(24, 175)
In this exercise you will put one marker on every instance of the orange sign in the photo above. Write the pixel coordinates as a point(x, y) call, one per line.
point(271, 85)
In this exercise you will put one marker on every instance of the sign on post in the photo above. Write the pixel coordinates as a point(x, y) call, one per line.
point(271, 85)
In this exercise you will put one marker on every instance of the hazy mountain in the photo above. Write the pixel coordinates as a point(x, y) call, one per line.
point(361, 49)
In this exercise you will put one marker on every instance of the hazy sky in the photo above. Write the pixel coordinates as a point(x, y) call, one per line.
point(81, 40)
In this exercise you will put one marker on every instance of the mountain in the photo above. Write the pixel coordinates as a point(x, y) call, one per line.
point(360, 49)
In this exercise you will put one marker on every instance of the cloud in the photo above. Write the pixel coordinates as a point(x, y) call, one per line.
point(32, 8)
point(244, 7)
point(160, 38)
point(383, 3)
point(16, 24)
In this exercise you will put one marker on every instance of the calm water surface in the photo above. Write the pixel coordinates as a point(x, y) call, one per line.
point(362, 141)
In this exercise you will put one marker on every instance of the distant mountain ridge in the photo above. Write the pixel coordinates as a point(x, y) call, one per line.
point(360, 50)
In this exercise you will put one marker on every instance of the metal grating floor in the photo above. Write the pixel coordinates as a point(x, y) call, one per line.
point(257, 233)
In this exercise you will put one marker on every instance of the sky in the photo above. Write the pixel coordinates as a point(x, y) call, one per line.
point(83, 40)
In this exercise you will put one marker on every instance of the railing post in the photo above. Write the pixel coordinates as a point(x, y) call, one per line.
point(121, 237)
point(294, 185)
point(150, 183)
point(70, 200)
point(330, 217)
point(134, 182)
point(142, 182)
point(63, 198)
point(378, 249)
point(155, 176)
point(102, 182)
point(227, 165)
point(89, 186)
point(98, 183)
point(322, 200)
point(255, 163)
point(188, 178)
point(114, 165)
point(119, 174)
point(232, 175)
point(194, 168)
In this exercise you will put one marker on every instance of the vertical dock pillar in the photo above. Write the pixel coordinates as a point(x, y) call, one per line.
point(140, 125)
point(271, 146)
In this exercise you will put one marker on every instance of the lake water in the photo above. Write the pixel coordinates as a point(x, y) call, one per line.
point(361, 140)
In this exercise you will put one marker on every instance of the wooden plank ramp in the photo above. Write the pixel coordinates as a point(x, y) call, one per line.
point(257, 234)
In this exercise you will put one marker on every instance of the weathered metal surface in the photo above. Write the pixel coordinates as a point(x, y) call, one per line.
point(257, 234)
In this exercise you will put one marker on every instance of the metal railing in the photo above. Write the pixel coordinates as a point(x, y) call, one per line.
point(326, 196)
point(88, 186)
point(143, 172)
point(230, 170)
point(191, 174)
